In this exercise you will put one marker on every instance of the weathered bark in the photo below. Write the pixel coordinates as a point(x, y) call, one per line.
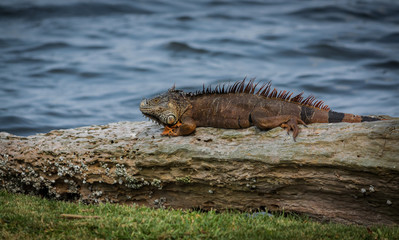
point(344, 172)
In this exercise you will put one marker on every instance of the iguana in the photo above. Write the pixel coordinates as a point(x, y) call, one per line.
point(239, 105)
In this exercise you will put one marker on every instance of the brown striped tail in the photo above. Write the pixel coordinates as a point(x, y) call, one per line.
point(335, 117)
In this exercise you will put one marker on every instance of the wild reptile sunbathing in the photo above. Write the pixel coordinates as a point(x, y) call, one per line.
point(240, 105)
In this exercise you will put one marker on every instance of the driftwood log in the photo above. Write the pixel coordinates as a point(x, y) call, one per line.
point(342, 172)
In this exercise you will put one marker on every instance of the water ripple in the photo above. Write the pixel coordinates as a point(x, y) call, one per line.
point(336, 52)
point(184, 47)
point(389, 64)
point(71, 10)
point(390, 38)
point(341, 13)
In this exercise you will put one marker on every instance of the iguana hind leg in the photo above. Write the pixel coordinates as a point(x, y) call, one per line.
point(285, 121)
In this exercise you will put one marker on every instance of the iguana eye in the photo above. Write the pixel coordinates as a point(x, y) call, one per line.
point(171, 119)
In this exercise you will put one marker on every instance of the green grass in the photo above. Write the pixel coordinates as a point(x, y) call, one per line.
point(29, 217)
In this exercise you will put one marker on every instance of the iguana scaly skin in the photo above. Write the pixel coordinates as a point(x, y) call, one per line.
point(239, 106)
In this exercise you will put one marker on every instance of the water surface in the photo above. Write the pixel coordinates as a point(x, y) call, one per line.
point(74, 63)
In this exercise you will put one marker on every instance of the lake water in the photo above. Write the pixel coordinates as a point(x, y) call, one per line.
point(73, 63)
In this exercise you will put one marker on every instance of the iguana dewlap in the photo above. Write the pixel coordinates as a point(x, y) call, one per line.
point(239, 106)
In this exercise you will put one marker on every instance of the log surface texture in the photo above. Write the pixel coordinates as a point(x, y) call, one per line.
point(342, 172)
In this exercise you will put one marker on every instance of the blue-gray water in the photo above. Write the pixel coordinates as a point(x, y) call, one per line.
point(75, 63)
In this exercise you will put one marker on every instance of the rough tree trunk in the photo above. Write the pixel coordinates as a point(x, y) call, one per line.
point(343, 172)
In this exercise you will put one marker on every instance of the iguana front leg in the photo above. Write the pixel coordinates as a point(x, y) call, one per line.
point(168, 130)
point(285, 121)
point(185, 127)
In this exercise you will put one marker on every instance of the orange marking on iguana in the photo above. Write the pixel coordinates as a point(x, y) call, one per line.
point(240, 105)
point(170, 130)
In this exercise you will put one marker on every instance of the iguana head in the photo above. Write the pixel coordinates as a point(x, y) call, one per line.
point(166, 108)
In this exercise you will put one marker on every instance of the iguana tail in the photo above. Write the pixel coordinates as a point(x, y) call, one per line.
point(334, 117)
point(314, 115)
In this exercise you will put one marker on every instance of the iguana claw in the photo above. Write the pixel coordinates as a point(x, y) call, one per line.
point(292, 124)
point(171, 130)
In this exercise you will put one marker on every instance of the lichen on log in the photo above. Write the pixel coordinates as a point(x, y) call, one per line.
point(343, 172)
